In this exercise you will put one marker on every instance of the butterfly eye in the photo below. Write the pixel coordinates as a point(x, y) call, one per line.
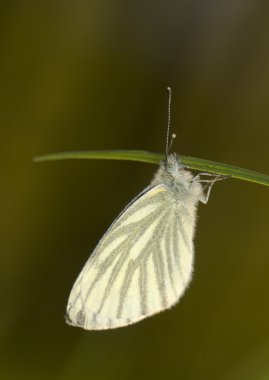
point(170, 167)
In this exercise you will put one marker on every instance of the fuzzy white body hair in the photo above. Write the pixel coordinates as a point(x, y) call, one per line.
point(144, 262)
point(180, 182)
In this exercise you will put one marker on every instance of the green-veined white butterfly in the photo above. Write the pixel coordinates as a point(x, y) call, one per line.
point(144, 262)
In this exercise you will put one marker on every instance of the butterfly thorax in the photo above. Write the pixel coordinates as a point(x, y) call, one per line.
point(175, 177)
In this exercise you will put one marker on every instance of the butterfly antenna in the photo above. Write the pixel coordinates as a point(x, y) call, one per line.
point(173, 136)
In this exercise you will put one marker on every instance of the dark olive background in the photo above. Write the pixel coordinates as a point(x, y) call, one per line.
point(79, 75)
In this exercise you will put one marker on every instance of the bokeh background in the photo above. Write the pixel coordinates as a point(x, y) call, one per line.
point(79, 75)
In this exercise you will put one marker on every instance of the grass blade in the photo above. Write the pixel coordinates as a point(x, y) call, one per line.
point(155, 158)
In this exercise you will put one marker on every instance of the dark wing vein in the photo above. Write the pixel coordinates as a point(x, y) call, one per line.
point(134, 264)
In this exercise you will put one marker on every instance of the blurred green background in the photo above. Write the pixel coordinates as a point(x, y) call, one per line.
point(79, 75)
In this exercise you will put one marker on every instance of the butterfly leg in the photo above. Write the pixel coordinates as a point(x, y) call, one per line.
point(198, 177)
point(209, 182)
point(205, 197)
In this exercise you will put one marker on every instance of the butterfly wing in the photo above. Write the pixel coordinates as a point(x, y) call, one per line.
point(141, 266)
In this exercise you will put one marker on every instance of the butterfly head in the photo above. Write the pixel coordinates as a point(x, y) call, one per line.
point(172, 164)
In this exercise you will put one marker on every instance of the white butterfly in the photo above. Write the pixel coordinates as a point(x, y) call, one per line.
point(144, 262)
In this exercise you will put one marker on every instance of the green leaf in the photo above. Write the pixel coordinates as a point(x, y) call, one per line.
point(155, 158)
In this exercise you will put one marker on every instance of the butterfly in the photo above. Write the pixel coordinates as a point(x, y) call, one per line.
point(144, 262)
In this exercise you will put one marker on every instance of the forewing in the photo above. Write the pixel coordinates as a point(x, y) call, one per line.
point(141, 266)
